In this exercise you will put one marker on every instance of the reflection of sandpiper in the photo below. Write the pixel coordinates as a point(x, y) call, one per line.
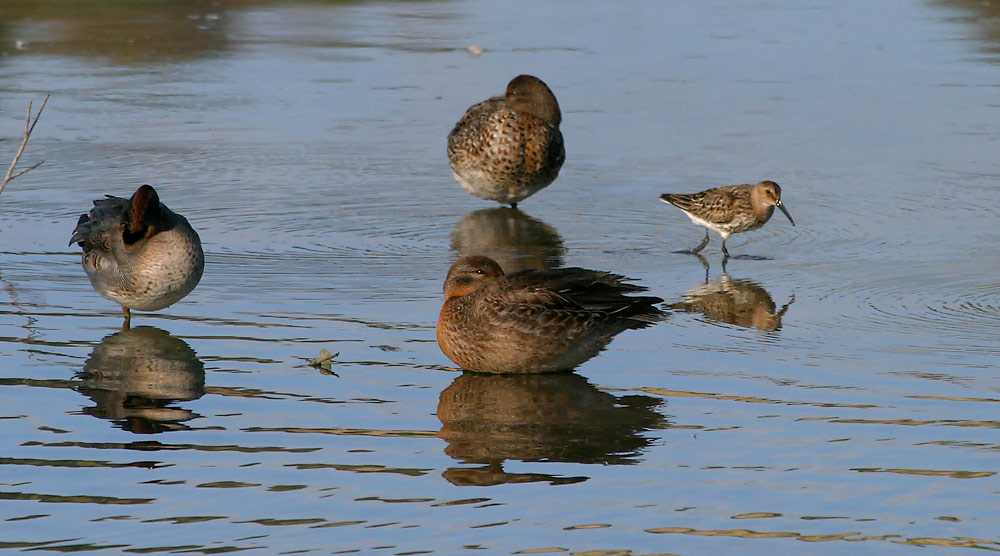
point(138, 252)
point(738, 302)
point(534, 322)
point(487, 419)
point(507, 148)
point(512, 238)
point(135, 375)
point(730, 210)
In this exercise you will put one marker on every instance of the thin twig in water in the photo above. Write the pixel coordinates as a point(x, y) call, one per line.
point(29, 126)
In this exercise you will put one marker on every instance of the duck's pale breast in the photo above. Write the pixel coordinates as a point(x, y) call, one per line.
point(151, 274)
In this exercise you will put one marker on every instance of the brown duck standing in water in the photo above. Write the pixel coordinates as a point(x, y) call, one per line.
point(534, 322)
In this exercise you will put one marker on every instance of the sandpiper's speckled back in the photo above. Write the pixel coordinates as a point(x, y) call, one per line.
point(507, 148)
point(534, 322)
point(138, 252)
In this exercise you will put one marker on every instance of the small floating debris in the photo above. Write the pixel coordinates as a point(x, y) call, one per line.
point(324, 361)
point(475, 50)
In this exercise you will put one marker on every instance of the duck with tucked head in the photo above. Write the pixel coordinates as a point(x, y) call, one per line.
point(532, 321)
point(507, 148)
point(731, 209)
point(139, 253)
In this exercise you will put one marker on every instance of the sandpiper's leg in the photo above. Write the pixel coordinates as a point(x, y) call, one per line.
point(704, 242)
point(513, 205)
point(704, 263)
point(724, 250)
point(724, 261)
point(128, 318)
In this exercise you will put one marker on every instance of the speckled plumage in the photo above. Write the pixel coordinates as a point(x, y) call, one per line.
point(534, 322)
point(507, 148)
point(139, 253)
point(731, 209)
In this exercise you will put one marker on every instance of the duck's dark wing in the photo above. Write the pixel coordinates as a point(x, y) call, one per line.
point(577, 293)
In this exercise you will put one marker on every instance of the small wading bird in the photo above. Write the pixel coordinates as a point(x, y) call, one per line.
point(139, 253)
point(507, 148)
point(531, 321)
point(729, 210)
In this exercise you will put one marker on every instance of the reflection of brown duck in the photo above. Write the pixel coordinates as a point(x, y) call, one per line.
point(550, 417)
point(512, 238)
point(534, 322)
point(492, 474)
point(135, 375)
point(739, 302)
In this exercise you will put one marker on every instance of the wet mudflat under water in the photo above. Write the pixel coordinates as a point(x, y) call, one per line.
point(834, 388)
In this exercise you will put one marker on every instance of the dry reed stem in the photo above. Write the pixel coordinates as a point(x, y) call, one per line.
point(29, 126)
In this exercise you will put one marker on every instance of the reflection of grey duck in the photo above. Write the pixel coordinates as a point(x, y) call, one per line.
point(739, 302)
point(731, 209)
point(136, 374)
point(512, 238)
point(139, 253)
point(550, 417)
point(534, 322)
point(507, 148)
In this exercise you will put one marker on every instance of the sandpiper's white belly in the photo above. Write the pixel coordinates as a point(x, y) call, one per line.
point(721, 229)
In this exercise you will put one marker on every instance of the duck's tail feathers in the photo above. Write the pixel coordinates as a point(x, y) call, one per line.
point(106, 212)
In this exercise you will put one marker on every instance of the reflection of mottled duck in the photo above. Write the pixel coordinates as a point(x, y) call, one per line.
point(510, 237)
point(739, 302)
point(135, 375)
point(550, 417)
point(534, 322)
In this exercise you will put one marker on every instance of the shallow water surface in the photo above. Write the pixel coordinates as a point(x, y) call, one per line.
point(832, 387)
